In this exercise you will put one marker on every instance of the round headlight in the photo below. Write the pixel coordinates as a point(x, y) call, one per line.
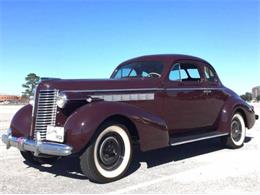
point(61, 100)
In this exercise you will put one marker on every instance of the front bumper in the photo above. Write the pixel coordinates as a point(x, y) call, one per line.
point(37, 147)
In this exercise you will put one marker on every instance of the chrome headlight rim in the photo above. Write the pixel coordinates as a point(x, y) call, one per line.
point(61, 100)
point(32, 100)
point(32, 97)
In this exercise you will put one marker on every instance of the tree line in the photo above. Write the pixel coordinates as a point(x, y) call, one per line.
point(249, 97)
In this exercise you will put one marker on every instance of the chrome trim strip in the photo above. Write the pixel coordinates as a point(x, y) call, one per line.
point(125, 97)
point(198, 139)
point(190, 89)
point(142, 89)
point(114, 90)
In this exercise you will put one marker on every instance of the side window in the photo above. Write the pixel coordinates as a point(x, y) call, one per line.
point(184, 72)
point(132, 73)
point(192, 72)
point(175, 74)
point(124, 72)
point(209, 74)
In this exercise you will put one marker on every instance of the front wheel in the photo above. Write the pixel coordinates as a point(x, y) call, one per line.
point(237, 134)
point(108, 157)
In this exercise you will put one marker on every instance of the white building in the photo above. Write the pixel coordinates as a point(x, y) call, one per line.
point(256, 92)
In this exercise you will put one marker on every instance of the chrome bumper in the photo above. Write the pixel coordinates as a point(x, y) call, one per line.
point(37, 147)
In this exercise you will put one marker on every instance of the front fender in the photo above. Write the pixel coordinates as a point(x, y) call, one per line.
point(21, 122)
point(83, 123)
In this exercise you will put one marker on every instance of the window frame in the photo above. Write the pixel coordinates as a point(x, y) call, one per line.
point(141, 61)
point(215, 78)
point(179, 71)
point(197, 65)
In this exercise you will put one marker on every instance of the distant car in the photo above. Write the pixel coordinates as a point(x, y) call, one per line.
point(5, 102)
point(155, 101)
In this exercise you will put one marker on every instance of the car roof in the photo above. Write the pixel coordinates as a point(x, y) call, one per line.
point(165, 57)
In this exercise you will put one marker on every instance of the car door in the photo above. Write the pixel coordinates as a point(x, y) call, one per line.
point(184, 100)
point(215, 96)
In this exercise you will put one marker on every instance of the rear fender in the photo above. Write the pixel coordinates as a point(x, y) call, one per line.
point(232, 106)
point(84, 122)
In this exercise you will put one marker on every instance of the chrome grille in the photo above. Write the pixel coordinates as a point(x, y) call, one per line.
point(46, 112)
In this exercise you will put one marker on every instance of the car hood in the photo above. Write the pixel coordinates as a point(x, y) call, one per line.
point(92, 85)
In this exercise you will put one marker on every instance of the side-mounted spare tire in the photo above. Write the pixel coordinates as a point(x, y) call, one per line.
point(109, 155)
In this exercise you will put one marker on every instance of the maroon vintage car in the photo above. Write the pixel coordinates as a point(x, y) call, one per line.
point(154, 101)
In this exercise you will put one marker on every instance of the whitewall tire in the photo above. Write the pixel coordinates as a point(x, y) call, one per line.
point(109, 156)
point(237, 134)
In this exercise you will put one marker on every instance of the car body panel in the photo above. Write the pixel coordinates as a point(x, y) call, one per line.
point(160, 109)
point(83, 123)
point(22, 121)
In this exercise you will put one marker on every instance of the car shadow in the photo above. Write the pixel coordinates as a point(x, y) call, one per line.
point(70, 166)
point(248, 139)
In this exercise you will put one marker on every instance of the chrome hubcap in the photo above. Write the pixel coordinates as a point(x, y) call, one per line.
point(111, 152)
point(236, 130)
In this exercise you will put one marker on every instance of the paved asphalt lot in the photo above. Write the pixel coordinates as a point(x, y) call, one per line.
point(201, 167)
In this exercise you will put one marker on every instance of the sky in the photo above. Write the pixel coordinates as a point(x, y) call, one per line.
point(89, 38)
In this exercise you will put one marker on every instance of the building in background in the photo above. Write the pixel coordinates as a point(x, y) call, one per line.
point(255, 92)
point(9, 98)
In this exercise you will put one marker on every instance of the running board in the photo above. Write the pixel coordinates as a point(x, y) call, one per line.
point(193, 138)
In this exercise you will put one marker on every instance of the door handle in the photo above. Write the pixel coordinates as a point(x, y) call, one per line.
point(207, 91)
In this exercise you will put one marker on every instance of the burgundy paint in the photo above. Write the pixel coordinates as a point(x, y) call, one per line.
point(21, 122)
point(170, 113)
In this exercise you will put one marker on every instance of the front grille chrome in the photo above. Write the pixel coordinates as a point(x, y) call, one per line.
point(46, 112)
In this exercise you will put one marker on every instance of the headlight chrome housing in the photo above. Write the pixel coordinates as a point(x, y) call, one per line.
point(61, 100)
point(31, 100)
point(32, 97)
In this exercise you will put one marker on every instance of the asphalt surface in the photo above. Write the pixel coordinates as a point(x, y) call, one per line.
point(201, 167)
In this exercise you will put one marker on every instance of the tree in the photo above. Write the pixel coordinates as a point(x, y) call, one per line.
point(258, 98)
point(243, 97)
point(249, 96)
point(31, 81)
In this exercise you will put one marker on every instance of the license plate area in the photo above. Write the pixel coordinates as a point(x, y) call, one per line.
point(55, 133)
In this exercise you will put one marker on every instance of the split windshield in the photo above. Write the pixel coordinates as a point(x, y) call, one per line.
point(139, 70)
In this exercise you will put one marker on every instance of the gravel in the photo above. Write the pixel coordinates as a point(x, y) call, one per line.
point(201, 167)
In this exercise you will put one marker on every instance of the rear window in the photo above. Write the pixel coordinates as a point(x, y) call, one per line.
point(209, 74)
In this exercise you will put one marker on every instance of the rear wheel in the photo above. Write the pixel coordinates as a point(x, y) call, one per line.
point(108, 157)
point(237, 134)
point(29, 157)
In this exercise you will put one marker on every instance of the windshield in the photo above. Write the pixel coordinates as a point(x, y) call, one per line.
point(139, 70)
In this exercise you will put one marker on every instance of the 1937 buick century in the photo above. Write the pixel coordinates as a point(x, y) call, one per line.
point(154, 101)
